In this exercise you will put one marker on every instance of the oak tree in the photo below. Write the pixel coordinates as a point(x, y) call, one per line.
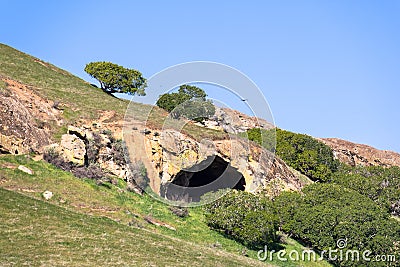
point(114, 78)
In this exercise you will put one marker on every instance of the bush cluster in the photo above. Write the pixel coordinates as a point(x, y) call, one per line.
point(181, 212)
point(379, 184)
point(87, 171)
point(137, 178)
point(245, 217)
point(301, 152)
point(318, 217)
point(351, 203)
point(326, 213)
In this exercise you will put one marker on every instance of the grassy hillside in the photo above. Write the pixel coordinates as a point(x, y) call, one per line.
point(107, 201)
point(86, 224)
point(36, 233)
point(80, 98)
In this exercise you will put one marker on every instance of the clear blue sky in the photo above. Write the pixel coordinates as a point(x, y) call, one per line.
point(327, 68)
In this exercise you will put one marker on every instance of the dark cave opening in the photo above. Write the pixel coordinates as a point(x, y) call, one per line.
point(210, 175)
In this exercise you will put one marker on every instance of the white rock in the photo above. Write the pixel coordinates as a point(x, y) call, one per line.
point(47, 195)
point(25, 169)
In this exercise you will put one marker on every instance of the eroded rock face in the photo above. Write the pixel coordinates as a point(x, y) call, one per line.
point(83, 144)
point(361, 155)
point(24, 118)
point(170, 152)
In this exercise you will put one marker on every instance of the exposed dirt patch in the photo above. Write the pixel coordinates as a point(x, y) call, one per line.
point(42, 108)
point(26, 119)
point(8, 165)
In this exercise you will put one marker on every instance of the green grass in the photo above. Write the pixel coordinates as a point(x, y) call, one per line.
point(114, 202)
point(36, 233)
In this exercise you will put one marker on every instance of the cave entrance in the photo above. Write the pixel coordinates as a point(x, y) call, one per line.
point(210, 175)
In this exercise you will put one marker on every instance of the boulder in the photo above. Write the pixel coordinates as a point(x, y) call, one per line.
point(25, 169)
point(73, 148)
point(47, 195)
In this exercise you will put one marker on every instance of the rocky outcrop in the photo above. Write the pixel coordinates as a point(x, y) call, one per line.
point(89, 145)
point(233, 121)
point(361, 155)
point(73, 148)
point(169, 156)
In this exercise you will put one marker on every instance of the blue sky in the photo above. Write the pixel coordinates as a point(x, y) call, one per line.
point(326, 68)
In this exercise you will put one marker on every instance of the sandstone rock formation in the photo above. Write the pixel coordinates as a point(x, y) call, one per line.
point(169, 156)
point(361, 155)
point(173, 158)
point(73, 148)
point(81, 144)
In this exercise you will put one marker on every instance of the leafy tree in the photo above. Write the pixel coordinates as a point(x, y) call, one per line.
point(189, 102)
point(192, 91)
point(245, 217)
point(325, 213)
point(117, 79)
point(172, 100)
point(265, 138)
point(194, 109)
point(379, 184)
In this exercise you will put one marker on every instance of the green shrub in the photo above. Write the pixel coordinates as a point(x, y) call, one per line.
point(326, 213)
point(301, 152)
point(379, 184)
point(136, 177)
point(265, 138)
point(245, 217)
point(92, 148)
point(181, 212)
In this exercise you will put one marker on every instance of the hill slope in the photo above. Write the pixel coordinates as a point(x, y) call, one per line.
point(361, 155)
point(104, 206)
point(78, 98)
point(35, 233)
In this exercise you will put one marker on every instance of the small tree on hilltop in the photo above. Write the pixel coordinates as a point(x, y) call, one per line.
point(189, 102)
point(117, 79)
